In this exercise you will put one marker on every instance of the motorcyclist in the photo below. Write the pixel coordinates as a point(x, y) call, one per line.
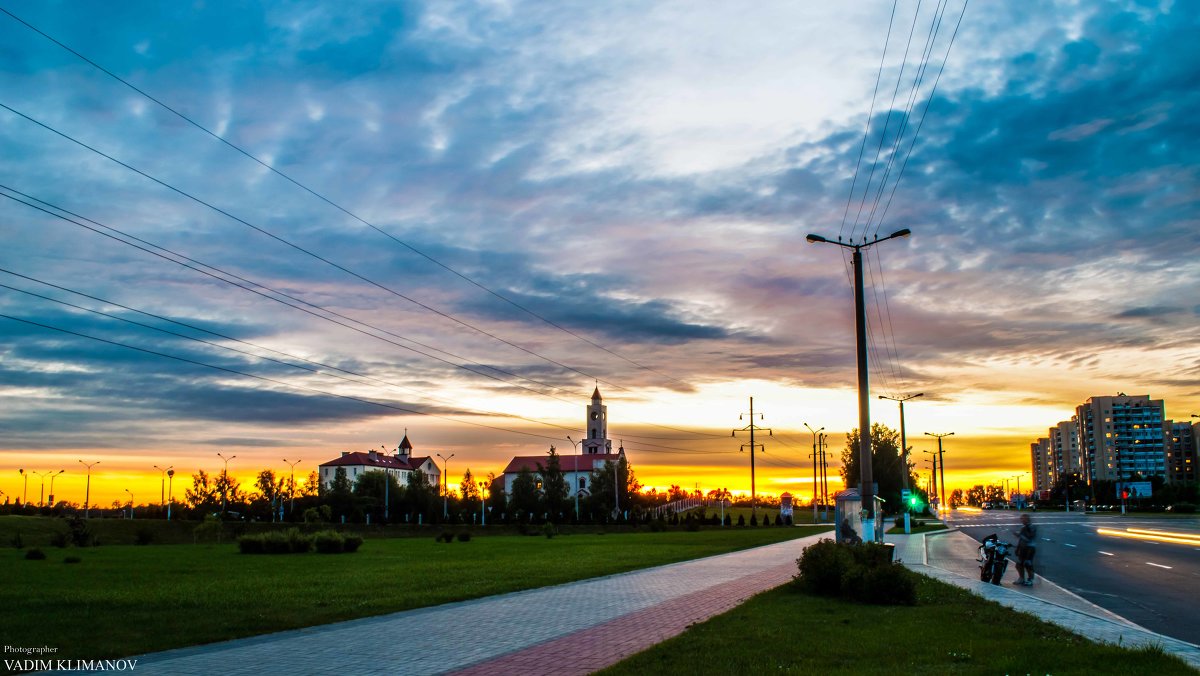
point(1026, 548)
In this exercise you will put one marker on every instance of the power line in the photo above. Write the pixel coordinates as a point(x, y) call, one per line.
point(335, 205)
point(887, 122)
point(239, 351)
point(870, 113)
point(275, 381)
point(307, 252)
point(246, 285)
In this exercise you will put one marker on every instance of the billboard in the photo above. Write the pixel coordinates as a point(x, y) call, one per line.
point(1137, 489)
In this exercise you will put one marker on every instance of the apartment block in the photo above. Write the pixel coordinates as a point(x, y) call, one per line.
point(1121, 437)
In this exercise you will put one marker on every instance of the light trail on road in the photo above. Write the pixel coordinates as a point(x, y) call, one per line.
point(1135, 534)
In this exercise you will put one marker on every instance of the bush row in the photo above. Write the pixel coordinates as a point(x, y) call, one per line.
point(292, 541)
point(863, 573)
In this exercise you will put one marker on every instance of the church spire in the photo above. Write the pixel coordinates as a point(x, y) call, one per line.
point(596, 394)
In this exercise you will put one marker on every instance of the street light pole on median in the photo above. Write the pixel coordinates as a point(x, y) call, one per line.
point(866, 478)
point(904, 452)
point(445, 485)
point(87, 495)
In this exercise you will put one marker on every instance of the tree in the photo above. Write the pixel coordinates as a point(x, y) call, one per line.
point(554, 486)
point(468, 489)
point(229, 489)
point(312, 485)
point(497, 499)
point(956, 498)
point(421, 497)
point(525, 499)
point(202, 496)
point(374, 488)
point(604, 498)
point(340, 494)
point(886, 464)
point(1070, 486)
point(976, 495)
point(995, 493)
point(270, 487)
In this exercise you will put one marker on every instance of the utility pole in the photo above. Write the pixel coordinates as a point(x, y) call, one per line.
point(904, 453)
point(821, 439)
point(941, 464)
point(815, 453)
point(752, 428)
point(933, 475)
point(866, 476)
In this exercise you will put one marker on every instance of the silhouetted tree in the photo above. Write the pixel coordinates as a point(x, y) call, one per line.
point(885, 464)
point(554, 486)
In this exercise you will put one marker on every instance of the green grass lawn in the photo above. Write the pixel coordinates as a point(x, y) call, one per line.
point(950, 631)
point(125, 600)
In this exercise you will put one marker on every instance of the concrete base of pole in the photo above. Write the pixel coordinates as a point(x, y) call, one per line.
point(907, 524)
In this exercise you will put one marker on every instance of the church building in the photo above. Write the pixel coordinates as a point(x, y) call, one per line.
point(399, 464)
point(595, 450)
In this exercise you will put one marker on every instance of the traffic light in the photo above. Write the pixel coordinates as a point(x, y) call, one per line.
point(914, 503)
point(1124, 493)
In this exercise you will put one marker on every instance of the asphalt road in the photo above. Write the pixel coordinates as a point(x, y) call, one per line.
point(1155, 584)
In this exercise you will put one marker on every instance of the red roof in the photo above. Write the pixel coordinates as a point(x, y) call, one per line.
point(569, 463)
point(596, 393)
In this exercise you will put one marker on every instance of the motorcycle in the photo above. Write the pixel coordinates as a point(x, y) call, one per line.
point(993, 559)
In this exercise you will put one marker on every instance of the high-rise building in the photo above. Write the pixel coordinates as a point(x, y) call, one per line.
point(1180, 445)
point(1064, 446)
point(1042, 457)
point(1121, 437)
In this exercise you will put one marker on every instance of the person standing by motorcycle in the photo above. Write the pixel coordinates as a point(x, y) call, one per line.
point(1026, 548)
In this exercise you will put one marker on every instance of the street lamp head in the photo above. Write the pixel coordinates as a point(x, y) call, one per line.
point(905, 232)
point(918, 394)
point(170, 472)
point(814, 239)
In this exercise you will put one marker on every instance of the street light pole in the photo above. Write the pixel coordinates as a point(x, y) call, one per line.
point(576, 477)
point(52, 478)
point(821, 445)
point(162, 485)
point(225, 483)
point(25, 491)
point(482, 504)
point(41, 486)
point(292, 484)
point(814, 457)
point(904, 451)
point(866, 478)
point(87, 495)
point(130, 503)
point(445, 485)
point(170, 491)
point(941, 464)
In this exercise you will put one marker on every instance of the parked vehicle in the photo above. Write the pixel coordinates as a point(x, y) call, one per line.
point(993, 559)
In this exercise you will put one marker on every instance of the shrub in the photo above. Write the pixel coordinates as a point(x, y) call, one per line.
point(143, 536)
point(692, 524)
point(549, 530)
point(250, 544)
point(73, 559)
point(446, 536)
point(778, 520)
point(464, 537)
point(79, 533)
point(211, 527)
point(822, 566)
point(1183, 508)
point(35, 554)
point(657, 525)
point(728, 519)
point(352, 543)
point(741, 519)
point(298, 543)
point(329, 542)
point(788, 520)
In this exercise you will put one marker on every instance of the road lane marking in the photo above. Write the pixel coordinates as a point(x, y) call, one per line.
point(1158, 565)
point(1066, 544)
point(1105, 553)
point(1046, 539)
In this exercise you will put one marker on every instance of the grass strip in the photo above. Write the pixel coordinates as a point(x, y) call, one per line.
point(949, 631)
point(126, 600)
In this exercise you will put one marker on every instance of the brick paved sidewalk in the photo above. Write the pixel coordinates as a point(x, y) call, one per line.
point(573, 628)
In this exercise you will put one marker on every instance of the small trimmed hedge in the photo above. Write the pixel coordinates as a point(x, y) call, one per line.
point(292, 541)
point(863, 573)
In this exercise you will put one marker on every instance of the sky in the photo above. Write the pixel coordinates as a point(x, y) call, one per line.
point(454, 220)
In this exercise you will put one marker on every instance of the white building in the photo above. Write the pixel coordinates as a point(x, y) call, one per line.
point(400, 465)
point(596, 450)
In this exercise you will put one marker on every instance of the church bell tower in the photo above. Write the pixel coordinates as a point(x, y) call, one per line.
point(597, 426)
